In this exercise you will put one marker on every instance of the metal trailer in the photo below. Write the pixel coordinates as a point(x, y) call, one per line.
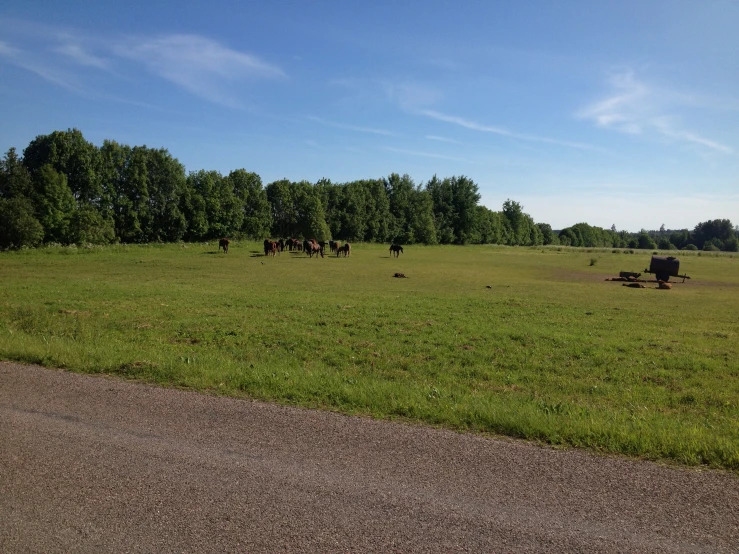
point(664, 267)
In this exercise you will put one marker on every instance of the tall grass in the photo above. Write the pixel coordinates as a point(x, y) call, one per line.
point(529, 343)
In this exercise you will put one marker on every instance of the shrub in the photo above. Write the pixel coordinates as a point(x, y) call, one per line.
point(690, 246)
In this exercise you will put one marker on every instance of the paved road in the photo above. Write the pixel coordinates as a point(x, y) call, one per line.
point(94, 464)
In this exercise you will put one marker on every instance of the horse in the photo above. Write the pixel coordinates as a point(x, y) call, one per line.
point(223, 243)
point(270, 247)
point(280, 245)
point(396, 249)
point(346, 250)
point(312, 247)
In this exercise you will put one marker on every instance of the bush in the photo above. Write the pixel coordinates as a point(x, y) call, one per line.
point(709, 247)
point(731, 245)
point(18, 225)
point(690, 247)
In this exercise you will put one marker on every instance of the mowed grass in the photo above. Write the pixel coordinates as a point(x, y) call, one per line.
point(529, 343)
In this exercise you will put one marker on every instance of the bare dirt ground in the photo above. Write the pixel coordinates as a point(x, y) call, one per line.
point(94, 464)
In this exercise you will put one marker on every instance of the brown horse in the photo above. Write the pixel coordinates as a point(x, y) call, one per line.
point(346, 250)
point(223, 243)
point(396, 249)
point(312, 247)
point(270, 248)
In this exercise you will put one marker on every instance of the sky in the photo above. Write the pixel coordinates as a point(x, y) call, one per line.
point(611, 113)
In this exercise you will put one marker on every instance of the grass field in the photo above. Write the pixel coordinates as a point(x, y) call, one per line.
point(522, 342)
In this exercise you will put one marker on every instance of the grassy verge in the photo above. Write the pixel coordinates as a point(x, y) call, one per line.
point(529, 343)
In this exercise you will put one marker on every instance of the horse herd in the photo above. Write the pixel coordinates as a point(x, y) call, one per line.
point(310, 247)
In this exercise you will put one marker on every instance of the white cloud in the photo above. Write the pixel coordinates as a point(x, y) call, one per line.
point(634, 107)
point(199, 65)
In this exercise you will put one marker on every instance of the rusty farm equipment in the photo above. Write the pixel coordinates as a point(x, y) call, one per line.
point(662, 267)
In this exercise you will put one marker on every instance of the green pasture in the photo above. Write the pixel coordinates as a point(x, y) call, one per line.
point(524, 342)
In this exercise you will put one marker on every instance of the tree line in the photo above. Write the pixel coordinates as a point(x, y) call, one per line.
point(66, 190)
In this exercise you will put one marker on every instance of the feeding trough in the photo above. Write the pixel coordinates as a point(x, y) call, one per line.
point(664, 267)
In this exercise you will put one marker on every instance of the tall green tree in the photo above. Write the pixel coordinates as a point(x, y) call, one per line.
point(55, 204)
point(113, 159)
point(70, 154)
point(284, 214)
point(88, 225)
point(133, 218)
point(548, 236)
point(15, 180)
point(252, 200)
point(715, 231)
point(444, 214)
point(166, 185)
point(513, 212)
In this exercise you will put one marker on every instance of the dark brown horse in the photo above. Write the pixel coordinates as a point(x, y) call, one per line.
point(346, 250)
point(396, 249)
point(223, 243)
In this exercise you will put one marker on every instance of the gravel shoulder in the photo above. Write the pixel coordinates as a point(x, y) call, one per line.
point(96, 464)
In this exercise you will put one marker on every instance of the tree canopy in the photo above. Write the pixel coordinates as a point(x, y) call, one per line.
point(66, 190)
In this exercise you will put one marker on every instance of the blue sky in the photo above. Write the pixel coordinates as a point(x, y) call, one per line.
point(622, 113)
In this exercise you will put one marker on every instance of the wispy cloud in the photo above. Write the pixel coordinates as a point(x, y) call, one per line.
point(200, 65)
point(357, 128)
point(637, 108)
point(442, 139)
point(26, 60)
point(425, 154)
point(80, 56)
point(468, 124)
point(69, 58)
point(406, 94)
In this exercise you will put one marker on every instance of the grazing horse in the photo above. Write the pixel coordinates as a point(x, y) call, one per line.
point(346, 250)
point(396, 249)
point(280, 245)
point(223, 243)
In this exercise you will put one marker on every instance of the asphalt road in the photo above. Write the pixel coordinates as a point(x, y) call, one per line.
point(95, 464)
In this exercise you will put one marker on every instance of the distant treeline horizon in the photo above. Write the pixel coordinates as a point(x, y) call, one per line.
point(66, 190)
